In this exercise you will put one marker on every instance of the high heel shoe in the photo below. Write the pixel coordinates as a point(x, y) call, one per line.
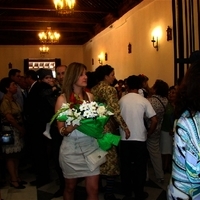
point(16, 187)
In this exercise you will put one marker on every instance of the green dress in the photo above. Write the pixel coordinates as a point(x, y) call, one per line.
point(107, 94)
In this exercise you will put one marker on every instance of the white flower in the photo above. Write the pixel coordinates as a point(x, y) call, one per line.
point(101, 110)
point(65, 105)
point(77, 114)
point(86, 110)
point(109, 113)
point(76, 122)
point(86, 114)
point(83, 106)
point(69, 120)
point(69, 112)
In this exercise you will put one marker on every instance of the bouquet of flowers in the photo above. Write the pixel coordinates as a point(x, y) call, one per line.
point(90, 118)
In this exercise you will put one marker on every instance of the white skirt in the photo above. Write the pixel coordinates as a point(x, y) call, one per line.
point(72, 152)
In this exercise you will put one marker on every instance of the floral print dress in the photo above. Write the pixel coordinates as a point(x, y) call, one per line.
point(107, 94)
point(12, 107)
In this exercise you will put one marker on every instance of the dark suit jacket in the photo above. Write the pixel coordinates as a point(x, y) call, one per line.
point(40, 104)
point(32, 105)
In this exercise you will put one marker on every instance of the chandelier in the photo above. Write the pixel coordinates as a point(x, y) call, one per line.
point(44, 49)
point(64, 7)
point(49, 36)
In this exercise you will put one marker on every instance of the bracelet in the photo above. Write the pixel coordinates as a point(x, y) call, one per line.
point(61, 131)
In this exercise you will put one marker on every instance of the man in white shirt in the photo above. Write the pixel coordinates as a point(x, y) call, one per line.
point(133, 152)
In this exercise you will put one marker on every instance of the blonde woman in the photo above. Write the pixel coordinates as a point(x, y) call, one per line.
point(75, 144)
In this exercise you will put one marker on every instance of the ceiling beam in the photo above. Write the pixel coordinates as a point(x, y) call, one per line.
point(52, 9)
point(38, 29)
point(48, 19)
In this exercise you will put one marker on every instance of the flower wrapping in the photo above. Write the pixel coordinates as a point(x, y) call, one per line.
point(91, 118)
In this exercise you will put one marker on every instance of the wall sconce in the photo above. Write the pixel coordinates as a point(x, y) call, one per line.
point(100, 56)
point(155, 43)
point(169, 33)
point(156, 33)
point(106, 56)
point(9, 65)
point(129, 48)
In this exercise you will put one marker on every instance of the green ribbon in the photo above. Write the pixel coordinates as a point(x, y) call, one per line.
point(95, 128)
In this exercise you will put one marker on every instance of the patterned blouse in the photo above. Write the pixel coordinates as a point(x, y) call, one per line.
point(185, 180)
point(159, 104)
point(107, 94)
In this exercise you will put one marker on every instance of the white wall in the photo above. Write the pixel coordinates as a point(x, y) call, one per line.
point(17, 54)
point(135, 27)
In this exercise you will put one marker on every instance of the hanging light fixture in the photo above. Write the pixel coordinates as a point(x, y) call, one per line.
point(64, 7)
point(49, 37)
point(44, 49)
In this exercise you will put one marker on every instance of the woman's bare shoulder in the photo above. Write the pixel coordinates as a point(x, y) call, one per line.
point(90, 96)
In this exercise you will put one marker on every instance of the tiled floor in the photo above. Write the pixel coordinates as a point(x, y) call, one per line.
point(155, 190)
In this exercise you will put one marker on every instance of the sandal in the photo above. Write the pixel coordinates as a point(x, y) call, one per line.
point(16, 187)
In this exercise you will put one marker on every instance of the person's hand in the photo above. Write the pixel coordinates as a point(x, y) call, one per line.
point(127, 133)
point(67, 130)
point(71, 128)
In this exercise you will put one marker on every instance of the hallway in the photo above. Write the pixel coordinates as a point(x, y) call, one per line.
point(156, 191)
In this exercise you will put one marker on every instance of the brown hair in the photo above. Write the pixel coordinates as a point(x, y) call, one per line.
point(74, 70)
point(188, 95)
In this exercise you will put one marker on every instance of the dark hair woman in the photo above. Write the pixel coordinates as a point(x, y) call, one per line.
point(158, 101)
point(105, 93)
point(184, 182)
point(11, 119)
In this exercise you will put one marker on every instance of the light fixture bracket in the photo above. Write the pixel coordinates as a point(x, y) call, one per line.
point(155, 43)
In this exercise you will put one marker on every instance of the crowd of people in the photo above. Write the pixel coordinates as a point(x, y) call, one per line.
point(143, 116)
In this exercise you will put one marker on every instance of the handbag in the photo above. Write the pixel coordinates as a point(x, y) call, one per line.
point(7, 137)
point(96, 158)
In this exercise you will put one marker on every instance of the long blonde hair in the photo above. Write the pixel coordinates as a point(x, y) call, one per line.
point(74, 70)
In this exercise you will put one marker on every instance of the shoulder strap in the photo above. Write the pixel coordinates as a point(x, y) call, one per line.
point(160, 101)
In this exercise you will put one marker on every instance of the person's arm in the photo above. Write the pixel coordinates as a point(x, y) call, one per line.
point(153, 125)
point(112, 101)
point(7, 112)
point(63, 130)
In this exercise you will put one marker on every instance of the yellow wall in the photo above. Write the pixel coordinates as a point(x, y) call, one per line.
point(17, 54)
point(135, 27)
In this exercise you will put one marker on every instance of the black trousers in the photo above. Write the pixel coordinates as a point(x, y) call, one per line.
point(133, 158)
point(56, 142)
point(39, 152)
